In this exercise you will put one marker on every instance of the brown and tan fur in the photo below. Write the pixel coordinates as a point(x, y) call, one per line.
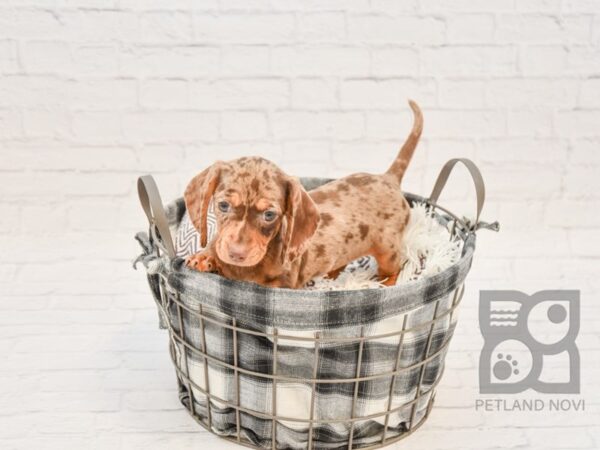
point(302, 235)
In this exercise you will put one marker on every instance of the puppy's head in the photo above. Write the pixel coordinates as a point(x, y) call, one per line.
point(255, 203)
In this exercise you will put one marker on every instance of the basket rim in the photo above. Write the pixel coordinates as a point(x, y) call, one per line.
point(177, 265)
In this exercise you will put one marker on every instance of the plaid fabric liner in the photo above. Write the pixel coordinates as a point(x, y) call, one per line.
point(407, 365)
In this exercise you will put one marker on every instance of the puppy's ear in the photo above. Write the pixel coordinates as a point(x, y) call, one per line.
point(197, 197)
point(302, 220)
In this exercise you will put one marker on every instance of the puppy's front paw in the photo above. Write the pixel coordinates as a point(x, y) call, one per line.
point(202, 263)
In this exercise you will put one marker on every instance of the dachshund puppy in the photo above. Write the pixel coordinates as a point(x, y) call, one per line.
point(272, 232)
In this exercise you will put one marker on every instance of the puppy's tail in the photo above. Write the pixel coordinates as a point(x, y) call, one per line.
point(400, 164)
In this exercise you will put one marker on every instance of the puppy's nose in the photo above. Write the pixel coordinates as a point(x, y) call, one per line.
point(236, 254)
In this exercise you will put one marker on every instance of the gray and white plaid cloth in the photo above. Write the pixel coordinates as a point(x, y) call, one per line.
point(305, 314)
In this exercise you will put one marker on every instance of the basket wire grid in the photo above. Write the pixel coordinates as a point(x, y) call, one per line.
point(177, 335)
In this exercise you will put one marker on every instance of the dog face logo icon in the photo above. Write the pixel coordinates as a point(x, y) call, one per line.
point(529, 342)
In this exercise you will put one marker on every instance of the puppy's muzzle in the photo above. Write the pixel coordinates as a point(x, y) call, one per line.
point(237, 254)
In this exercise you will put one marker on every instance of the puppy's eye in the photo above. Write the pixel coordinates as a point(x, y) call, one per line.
point(223, 206)
point(269, 216)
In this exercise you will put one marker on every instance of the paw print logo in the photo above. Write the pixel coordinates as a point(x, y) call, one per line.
point(523, 333)
point(510, 363)
point(505, 367)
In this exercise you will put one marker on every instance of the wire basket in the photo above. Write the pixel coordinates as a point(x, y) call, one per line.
point(296, 369)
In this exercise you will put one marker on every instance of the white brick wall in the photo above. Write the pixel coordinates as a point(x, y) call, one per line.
point(95, 93)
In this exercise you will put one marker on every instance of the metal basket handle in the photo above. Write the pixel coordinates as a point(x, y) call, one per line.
point(153, 207)
point(442, 178)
